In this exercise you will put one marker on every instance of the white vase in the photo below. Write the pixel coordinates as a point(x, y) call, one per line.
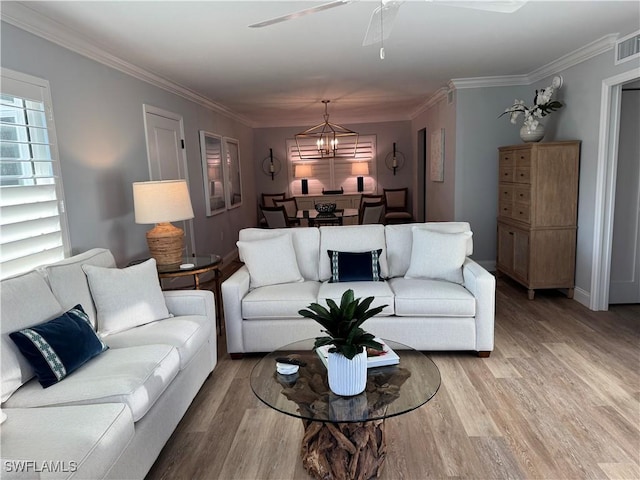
point(347, 377)
point(532, 134)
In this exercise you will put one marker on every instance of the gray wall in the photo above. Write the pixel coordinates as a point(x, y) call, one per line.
point(386, 133)
point(101, 141)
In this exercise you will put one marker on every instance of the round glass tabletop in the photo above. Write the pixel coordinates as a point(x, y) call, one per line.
point(391, 390)
point(198, 262)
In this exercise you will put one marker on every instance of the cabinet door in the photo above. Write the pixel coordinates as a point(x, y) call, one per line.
point(505, 248)
point(521, 254)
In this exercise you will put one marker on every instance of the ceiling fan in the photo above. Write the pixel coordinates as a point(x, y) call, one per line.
point(384, 15)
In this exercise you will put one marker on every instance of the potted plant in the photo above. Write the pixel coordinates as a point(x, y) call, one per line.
point(347, 362)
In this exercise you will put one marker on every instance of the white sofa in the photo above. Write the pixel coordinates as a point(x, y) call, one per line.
point(112, 416)
point(423, 313)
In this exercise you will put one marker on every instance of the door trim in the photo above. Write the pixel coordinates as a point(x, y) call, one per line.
point(606, 187)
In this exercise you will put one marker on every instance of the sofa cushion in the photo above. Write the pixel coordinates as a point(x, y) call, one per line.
point(56, 348)
point(437, 256)
point(279, 301)
point(270, 261)
point(187, 333)
point(431, 298)
point(135, 376)
point(26, 301)
point(306, 242)
point(355, 267)
point(380, 290)
point(127, 297)
point(399, 239)
point(69, 282)
point(351, 238)
point(86, 439)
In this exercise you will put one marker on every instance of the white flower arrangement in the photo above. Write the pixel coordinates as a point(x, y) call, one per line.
point(542, 106)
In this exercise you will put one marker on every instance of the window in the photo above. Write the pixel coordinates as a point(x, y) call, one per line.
point(32, 220)
point(334, 173)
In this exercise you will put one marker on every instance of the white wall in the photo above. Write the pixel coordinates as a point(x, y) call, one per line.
point(101, 141)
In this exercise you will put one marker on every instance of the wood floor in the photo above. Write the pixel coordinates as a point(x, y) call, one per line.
point(559, 398)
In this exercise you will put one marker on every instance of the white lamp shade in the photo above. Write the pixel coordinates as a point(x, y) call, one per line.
point(360, 168)
point(161, 201)
point(302, 171)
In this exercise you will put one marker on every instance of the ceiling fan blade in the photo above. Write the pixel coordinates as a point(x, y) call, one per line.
point(301, 13)
point(501, 6)
point(381, 23)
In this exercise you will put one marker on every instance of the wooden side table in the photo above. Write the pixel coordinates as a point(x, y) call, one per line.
point(201, 264)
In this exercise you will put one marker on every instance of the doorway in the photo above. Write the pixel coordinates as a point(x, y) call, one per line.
point(605, 187)
point(164, 133)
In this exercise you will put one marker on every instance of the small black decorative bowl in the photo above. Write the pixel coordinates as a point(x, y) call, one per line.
point(325, 207)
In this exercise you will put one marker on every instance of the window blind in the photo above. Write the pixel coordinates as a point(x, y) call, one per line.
point(33, 227)
point(333, 173)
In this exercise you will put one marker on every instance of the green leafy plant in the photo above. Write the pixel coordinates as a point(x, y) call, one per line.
point(343, 324)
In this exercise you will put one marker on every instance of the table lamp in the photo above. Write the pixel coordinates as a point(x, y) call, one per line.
point(162, 202)
point(360, 168)
point(303, 171)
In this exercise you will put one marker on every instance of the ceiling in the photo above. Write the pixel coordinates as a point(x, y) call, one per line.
point(278, 75)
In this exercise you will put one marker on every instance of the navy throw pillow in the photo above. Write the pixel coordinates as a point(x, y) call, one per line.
point(56, 348)
point(355, 266)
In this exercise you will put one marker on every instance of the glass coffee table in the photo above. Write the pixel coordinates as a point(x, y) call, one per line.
point(344, 437)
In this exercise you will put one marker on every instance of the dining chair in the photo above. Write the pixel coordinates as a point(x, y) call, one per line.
point(291, 207)
point(370, 198)
point(371, 213)
point(268, 198)
point(396, 205)
point(276, 217)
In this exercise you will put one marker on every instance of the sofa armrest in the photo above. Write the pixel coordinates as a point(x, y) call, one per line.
point(234, 289)
point(483, 287)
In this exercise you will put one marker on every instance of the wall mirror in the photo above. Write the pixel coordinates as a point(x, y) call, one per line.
point(232, 169)
point(213, 173)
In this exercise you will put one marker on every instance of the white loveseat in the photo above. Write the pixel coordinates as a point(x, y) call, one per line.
point(111, 417)
point(424, 313)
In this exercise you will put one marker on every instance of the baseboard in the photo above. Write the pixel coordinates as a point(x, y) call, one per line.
point(582, 296)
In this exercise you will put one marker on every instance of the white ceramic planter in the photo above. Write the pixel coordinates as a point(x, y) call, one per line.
point(532, 135)
point(347, 377)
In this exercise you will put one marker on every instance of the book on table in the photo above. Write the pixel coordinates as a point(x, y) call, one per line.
point(374, 358)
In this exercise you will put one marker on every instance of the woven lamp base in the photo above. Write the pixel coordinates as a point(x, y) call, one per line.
point(166, 243)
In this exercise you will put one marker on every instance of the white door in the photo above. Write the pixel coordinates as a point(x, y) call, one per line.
point(624, 285)
point(166, 154)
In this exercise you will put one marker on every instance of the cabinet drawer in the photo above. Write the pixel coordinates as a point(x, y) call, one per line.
point(505, 209)
point(506, 173)
point(523, 175)
point(507, 158)
point(522, 195)
point(521, 212)
point(523, 158)
point(505, 193)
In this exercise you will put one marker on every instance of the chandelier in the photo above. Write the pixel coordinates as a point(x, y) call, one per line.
point(326, 140)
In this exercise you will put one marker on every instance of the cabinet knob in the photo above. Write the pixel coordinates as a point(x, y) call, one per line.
point(510, 233)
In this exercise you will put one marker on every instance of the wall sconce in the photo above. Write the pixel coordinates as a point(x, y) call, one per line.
point(394, 160)
point(303, 171)
point(271, 165)
point(359, 169)
point(163, 202)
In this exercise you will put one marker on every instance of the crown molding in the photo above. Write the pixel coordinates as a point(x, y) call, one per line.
point(579, 55)
point(299, 122)
point(20, 15)
point(438, 96)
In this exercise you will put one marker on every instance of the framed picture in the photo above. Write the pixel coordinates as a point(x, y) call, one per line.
point(231, 151)
point(215, 191)
point(436, 172)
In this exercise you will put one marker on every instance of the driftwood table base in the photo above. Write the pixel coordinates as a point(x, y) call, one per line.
point(344, 451)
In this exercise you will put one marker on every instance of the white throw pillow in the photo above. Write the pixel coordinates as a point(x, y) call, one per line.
point(126, 298)
point(270, 261)
point(437, 256)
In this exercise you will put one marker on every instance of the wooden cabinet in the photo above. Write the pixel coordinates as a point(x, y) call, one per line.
point(537, 214)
